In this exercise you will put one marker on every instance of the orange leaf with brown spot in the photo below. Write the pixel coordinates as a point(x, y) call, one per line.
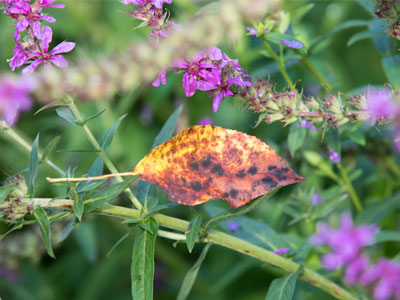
point(209, 162)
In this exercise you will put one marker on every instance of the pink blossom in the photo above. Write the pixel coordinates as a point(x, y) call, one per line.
point(252, 31)
point(46, 56)
point(161, 78)
point(281, 251)
point(380, 104)
point(225, 92)
point(334, 156)
point(156, 3)
point(292, 44)
point(306, 124)
point(14, 97)
point(205, 121)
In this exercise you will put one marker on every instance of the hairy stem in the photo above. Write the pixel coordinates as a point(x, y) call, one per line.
point(102, 153)
point(350, 189)
point(213, 237)
point(281, 66)
point(14, 136)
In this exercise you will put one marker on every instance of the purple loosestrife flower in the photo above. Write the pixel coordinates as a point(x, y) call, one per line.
point(156, 3)
point(161, 78)
point(380, 104)
point(14, 97)
point(306, 124)
point(205, 121)
point(47, 56)
point(233, 226)
point(292, 44)
point(252, 31)
point(200, 74)
point(384, 277)
point(317, 199)
point(346, 241)
point(334, 156)
point(225, 92)
point(281, 251)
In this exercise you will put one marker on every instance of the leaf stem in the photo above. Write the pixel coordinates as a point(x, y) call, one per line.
point(102, 153)
point(350, 189)
point(281, 66)
point(12, 134)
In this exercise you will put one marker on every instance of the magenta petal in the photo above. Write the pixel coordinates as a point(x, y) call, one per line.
point(22, 25)
point(161, 79)
point(49, 19)
point(37, 30)
point(180, 64)
point(47, 36)
point(214, 53)
point(59, 61)
point(29, 69)
point(10, 114)
point(189, 85)
point(63, 48)
point(252, 31)
point(217, 101)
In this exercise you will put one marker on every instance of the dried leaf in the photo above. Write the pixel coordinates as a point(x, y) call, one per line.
point(208, 162)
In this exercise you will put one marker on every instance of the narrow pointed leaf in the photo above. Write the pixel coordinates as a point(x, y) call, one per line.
point(50, 147)
point(44, 224)
point(33, 163)
point(193, 232)
point(283, 288)
point(93, 116)
point(108, 135)
point(296, 138)
point(67, 230)
point(142, 269)
point(67, 115)
point(190, 277)
point(78, 207)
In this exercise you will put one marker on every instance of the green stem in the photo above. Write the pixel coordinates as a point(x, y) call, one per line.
point(13, 135)
point(350, 189)
point(102, 153)
point(213, 237)
point(315, 72)
point(392, 165)
point(281, 66)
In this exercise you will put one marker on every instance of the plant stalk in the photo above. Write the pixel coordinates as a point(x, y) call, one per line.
point(350, 189)
point(102, 153)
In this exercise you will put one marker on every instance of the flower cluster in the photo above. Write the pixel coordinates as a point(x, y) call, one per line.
point(389, 10)
point(152, 14)
point(31, 38)
point(211, 70)
point(347, 243)
point(14, 97)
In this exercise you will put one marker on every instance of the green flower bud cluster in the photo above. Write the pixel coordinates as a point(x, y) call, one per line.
point(389, 10)
point(16, 203)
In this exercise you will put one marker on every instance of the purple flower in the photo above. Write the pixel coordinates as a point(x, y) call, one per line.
point(225, 92)
point(252, 31)
point(47, 56)
point(14, 97)
point(356, 269)
point(380, 104)
point(205, 121)
point(233, 226)
point(346, 241)
point(385, 278)
point(161, 78)
point(281, 251)
point(292, 44)
point(306, 124)
point(334, 156)
point(397, 144)
point(200, 74)
point(156, 3)
point(317, 199)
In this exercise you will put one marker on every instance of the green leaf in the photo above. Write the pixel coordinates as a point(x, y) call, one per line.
point(52, 104)
point(168, 129)
point(78, 207)
point(5, 190)
point(142, 269)
point(33, 163)
point(50, 148)
point(15, 227)
point(190, 277)
point(297, 14)
point(147, 194)
point(156, 209)
point(95, 199)
point(193, 232)
point(387, 236)
point(296, 138)
point(66, 114)
point(85, 236)
point(283, 288)
point(93, 116)
point(95, 170)
point(363, 35)
point(67, 230)
point(118, 243)
point(337, 29)
point(375, 213)
point(391, 68)
point(358, 137)
point(107, 137)
point(316, 160)
point(44, 224)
